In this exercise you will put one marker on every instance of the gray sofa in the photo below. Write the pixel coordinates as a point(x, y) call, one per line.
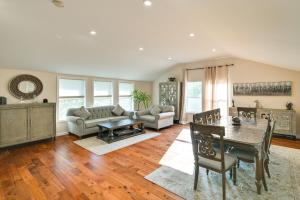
point(163, 119)
point(81, 127)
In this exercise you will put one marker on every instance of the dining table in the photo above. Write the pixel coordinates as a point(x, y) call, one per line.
point(249, 135)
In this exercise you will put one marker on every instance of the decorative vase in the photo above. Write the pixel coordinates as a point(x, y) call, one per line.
point(172, 79)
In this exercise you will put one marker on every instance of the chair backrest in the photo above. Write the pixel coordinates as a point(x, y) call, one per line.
point(247, 112)
point(207, 117)
point(200, 118)
point(269, 134)
point(203, 139)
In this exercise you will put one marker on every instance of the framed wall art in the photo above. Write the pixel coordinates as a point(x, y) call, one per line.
point(282, 88)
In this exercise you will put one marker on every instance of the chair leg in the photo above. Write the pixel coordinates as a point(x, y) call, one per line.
point(207, 172)
point(266, 166)
point(264, 179)
point(234, 174)
point(230, 173)
point(196, 176)
point(223, 186)
point(238, 164)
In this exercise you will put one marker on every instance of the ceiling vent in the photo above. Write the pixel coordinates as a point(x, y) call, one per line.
point(58, 3)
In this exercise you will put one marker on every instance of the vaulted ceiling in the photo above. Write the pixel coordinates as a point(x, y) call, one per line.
point(34, 34)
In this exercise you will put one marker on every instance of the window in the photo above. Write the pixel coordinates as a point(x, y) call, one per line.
point(103, 91)
point(125, 95)
point(71, 95)
point(194, 97)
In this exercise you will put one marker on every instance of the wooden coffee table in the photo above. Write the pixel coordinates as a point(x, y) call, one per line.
point(119, 130)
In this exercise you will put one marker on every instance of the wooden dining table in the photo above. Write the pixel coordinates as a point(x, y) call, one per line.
point(249, 136)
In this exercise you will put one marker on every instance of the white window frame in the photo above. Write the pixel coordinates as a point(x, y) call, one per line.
point(112, 90)
point(187, 97)
point(59, 97)
point(132, 101)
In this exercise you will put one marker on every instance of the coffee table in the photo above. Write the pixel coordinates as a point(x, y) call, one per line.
point(119, 130)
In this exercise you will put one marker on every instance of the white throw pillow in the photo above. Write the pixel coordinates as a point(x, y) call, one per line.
point(118, 110)
point(82, 113)
point(155, 110)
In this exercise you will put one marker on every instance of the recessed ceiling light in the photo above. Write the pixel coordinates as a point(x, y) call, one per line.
point(147, 3)
point(214, 50)
point(192, 35)
point(170, 58)
point(141, 49)
point(93, 32)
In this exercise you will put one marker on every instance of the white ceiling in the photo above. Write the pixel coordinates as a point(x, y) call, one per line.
point(261, 30)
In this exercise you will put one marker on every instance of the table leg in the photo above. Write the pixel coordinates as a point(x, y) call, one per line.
point(142, 126)
point(258, 173)
point(99, 136)
point(111, 134)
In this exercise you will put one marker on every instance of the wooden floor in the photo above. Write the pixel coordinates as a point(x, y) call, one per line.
point(63, 170)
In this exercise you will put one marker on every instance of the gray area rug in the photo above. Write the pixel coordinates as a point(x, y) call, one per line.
point(176, 175)
point(99, 147)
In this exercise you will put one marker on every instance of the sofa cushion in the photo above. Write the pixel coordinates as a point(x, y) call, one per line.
point(100, 112)
point(167, 108)
point(155, 110)
point(93, 122)
point(118, 110)
point(166, 115)
point(82, 113)
point(148, 118)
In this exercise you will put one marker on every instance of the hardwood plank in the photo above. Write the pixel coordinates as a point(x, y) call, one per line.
point(61, 169)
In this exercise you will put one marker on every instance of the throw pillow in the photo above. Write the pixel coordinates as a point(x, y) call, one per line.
point(82, 113)
point(155, 110)
point(118, 110)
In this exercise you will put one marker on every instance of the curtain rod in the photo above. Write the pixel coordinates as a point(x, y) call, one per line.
point(228, 65)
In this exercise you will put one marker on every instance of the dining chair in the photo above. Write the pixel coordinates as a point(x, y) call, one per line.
point(200, 118)
point(249, 156)
point(207, 117)
point(268, 143)
point(207, 157)
point(247, 112)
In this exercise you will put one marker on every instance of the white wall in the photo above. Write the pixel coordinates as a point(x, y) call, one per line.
point(245, 71)
point(49, 81)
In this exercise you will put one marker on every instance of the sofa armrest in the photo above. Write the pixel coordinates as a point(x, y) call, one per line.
point(164, 115)
point(142, 112)
point(129, 114)
point(75, 119)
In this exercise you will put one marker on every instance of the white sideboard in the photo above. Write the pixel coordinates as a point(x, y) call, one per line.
point(285, 119)
point(23, 123)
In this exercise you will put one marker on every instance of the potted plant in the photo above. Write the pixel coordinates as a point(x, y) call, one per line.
point(141, 97)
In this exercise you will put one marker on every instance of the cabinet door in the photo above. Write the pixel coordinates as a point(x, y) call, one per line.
point(13, 126)
point(41, 122)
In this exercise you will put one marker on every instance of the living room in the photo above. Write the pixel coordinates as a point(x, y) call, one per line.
point(143, 107)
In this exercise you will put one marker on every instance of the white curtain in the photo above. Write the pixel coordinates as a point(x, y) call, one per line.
point(216, 86)
point(183, 116)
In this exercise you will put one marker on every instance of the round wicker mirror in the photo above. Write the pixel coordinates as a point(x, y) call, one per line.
point(25, 86)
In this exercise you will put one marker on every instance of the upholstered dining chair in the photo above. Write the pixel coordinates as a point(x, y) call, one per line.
point(246, 155)
point(200, 118)
point(249, 113)
point(268, 142)
point(207, 157)
point(207, 117)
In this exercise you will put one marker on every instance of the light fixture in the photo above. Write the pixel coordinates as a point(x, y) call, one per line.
point(214, 50)
point(141, 49)
point(147, 3)
point(170, 58)
point(93, 32)
point(192, 35)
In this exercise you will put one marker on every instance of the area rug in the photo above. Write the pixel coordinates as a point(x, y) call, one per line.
point(176, 175)
point(99, 147)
